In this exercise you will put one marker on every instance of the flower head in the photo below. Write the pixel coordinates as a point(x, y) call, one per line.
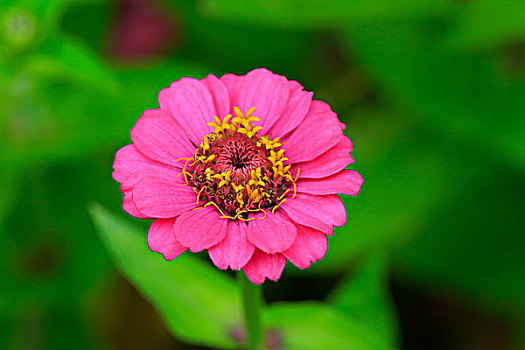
point(247, 167)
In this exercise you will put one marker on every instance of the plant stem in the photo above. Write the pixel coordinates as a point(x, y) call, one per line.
point(251, 300)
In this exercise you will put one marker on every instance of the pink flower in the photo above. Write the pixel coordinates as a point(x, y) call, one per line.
point(247, 167)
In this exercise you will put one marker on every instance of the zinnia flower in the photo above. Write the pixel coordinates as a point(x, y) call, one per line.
point(247, 167)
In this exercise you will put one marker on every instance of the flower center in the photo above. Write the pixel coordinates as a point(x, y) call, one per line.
point(238, 171)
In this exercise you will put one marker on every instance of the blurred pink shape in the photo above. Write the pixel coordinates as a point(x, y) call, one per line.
point(142, 30)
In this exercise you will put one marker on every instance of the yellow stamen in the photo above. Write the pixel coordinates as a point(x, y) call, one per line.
point(246, 220)
point(220, 126)
point(284, 194)
point(278, 205)
point(249, 113)
point(223, 216)
point(199, 193)
point(224, 178)
point(294, 181)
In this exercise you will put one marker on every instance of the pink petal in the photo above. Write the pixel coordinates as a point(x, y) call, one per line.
point(320, 106)
point(263, 265)
point(272, 234)
point(200, 229)
point(130, 162)
point(129, 206)
point(170, 175)
point(295, 111)
point(161, 239)
point(191, 104)
point(318, 212)
point(267, 92)
point(158, 136)
point(235, 250)
point(314, 136)
point(163, 198)
point(219, 93)
point(309, 247)
point(328, 163)
point(233, 85)
point(345, 182)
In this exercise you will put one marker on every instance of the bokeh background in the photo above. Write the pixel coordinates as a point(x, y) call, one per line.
point(433, 95)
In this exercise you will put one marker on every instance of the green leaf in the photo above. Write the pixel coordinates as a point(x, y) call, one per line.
point(365, 297)
point(315, 325)
point(299, 14)
point(198, 303)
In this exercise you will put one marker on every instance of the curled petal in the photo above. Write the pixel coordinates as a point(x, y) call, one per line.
point(272, 234)
point(295, 111)
point(233, 85)
point(313, 137)
point(161, 239)
point(159, 197)
point(263, 265)
point(219, 93)
point(328, 163)
point(190, 102)
point(309, 247)
point(160, 137)
point(318, 212)
point(345, 182)
point(200, 229)
point(235, 250)
point(321, 106)
point(267, 92)
point(129, 206)
point(129, 161)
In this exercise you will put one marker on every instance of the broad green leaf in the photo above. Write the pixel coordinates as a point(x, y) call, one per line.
point(297, 14)
point(198, 303)
point(364, 295)
point(316, 325)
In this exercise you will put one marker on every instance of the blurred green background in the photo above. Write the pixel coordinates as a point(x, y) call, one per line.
point(433, 95)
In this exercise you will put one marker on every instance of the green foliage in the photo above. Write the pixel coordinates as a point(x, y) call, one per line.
point(202, 306)
point(487, 24)
point(298, 14)
point(311, 326)
point(432, 92)
point(463, 96)
point(69, 60)
point(366, 297)
point(405, 180)
point(456, 247)
point(198, 303)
